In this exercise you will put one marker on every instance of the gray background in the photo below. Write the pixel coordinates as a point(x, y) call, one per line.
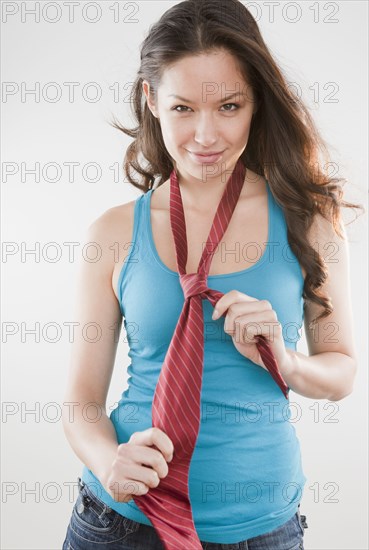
point(324, 52)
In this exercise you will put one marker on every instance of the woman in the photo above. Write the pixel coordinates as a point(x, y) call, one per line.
point(209, 101)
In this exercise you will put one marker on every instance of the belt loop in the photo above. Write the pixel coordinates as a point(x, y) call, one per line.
point(304, 523)
point(80, 484)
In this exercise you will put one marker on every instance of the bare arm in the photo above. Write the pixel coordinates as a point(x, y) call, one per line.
point(322, 376)
point(329, 370)
point(89, 430)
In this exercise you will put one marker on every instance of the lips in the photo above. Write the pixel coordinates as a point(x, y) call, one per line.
point(207, 157)
point(207, 153)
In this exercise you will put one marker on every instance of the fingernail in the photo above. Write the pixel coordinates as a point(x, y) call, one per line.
point(215, 314)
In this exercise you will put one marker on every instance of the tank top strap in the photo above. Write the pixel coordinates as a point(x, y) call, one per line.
point(138, 244)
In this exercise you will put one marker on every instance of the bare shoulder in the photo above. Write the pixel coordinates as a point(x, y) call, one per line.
point(323, 237)
point(114, 225)
point(109, 235)
point(115, 230)
point(115, 217)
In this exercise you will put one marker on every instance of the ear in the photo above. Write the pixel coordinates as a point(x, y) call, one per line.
point(146, 91)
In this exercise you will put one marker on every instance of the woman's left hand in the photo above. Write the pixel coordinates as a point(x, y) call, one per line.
point(247, 317)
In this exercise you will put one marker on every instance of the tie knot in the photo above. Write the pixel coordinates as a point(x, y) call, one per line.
point(193, 284)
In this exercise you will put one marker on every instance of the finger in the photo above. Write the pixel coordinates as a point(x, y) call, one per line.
point(155, 436)
point(245, 328)
point(151, 457)
point(251, 307)
point(148, 476)
point(121, 492)
point(228, 299)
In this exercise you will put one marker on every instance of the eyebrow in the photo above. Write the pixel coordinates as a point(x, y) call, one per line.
point(224, 98)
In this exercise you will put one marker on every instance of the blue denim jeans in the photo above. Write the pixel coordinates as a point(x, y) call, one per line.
point(94, 526)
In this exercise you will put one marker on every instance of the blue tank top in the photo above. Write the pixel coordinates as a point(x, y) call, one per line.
point(246, 475)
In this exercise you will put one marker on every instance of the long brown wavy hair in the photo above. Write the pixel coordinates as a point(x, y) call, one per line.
point(284, 144)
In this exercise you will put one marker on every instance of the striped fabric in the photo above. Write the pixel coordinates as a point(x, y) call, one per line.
point(176, 404)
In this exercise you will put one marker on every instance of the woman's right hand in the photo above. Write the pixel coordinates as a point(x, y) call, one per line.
point(138, 466)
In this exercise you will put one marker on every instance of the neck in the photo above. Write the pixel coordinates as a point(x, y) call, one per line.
point(203, 194)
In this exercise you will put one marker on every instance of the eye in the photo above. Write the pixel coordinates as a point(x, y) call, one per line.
point(175, 108)
point(235, 104)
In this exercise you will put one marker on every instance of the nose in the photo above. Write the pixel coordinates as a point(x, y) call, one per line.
point(206, 133)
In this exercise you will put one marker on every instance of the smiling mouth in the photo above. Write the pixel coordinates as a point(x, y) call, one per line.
point(206, 157)
point(209, 154)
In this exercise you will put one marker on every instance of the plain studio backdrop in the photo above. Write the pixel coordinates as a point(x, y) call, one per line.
point(65, 70)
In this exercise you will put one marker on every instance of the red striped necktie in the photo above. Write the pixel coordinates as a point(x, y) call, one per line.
point(176, 403)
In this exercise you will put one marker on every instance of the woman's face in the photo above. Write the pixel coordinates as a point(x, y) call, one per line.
point(204, 118)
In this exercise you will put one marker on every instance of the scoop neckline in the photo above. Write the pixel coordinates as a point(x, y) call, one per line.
point(261, 261)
